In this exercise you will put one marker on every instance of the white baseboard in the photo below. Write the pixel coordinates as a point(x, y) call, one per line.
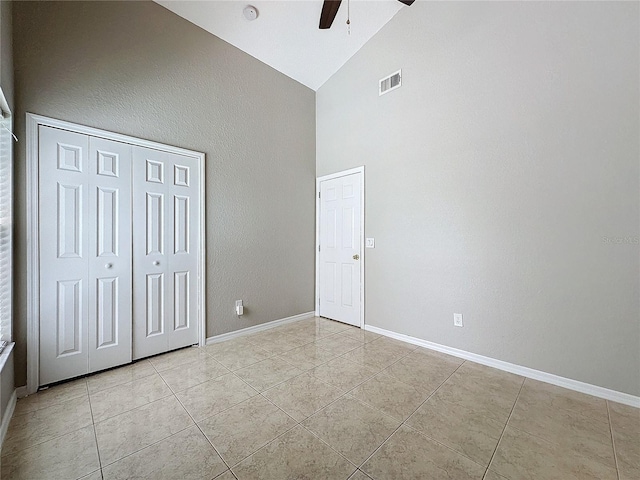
point(258, 328)
point(6, 418)
point(21, 392)
point(576, 385)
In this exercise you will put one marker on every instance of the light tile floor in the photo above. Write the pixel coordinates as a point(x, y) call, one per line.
point(316, 400)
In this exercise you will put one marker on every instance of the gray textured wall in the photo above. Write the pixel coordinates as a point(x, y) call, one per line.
point(493, 175)
point(138, 69)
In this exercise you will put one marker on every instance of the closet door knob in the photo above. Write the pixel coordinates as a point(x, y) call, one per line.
point(108, 265)
point(156, 263)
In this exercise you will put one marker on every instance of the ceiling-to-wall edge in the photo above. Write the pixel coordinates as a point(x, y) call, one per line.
point(286, 36)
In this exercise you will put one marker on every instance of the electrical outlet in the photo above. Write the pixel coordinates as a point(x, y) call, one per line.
point(370, 243)
point(239, 308)
point(457, 320)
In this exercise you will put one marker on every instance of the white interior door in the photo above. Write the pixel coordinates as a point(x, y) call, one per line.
point(340, 248)
point(109, 254)
point(64, 266)
point(165, 251)
point(85, 254)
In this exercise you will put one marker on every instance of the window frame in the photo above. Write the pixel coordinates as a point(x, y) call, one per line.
point(6, 207)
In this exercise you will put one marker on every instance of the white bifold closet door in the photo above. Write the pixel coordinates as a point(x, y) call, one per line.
point(85, 254)
point(165, 251)
point(118, 250)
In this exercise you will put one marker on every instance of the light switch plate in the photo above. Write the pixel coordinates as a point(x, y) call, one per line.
point(370, 243)
point(457, 320)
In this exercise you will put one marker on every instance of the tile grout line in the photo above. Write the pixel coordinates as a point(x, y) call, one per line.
point(424, 434)
point(212, 446)
point(148, 403)
point(317, 366)
point(504, 429)
point(146, 446)
point(364, 402)
point(93, 423)
point(167, 395)
point(266, 444)
point(95, 392)
point(262, 446)
point(613, 442)
point(344, 393)
point(52, 438)
point(93, 426)
point(405, 420)
point(229, 467)
point(554, 443)
point(405, 383)
point(299, 423)
point(197, 426)
point(296, 424)
point(341, 396)
point(331, 448)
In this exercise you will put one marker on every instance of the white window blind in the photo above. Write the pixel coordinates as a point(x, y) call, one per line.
point(6, 219)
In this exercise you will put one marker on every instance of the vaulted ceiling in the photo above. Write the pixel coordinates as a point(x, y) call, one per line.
point(286, 35)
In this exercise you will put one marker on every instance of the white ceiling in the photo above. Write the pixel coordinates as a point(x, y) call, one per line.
point(286, 35)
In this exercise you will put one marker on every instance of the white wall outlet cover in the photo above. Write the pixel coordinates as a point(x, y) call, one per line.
point(457, 320)
point(370, 243)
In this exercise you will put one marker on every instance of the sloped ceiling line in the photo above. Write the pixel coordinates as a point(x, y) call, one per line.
point(286, 36)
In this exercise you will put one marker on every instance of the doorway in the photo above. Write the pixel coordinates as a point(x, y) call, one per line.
point(339, 246)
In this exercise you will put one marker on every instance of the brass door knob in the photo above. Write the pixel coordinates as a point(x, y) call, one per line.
point(356, 257)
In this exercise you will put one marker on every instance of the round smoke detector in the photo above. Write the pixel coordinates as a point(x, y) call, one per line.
point(250, 12)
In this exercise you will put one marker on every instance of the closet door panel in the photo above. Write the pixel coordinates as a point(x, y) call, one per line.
point(183, 264)
point(110, 269)
point(149, 253)
point(165, 235)
point(63, 245)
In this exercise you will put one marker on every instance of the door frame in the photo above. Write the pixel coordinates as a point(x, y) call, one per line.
point(319, 180)
point(33, 261)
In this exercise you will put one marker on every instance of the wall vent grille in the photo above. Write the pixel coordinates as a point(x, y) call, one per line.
point(391, 82)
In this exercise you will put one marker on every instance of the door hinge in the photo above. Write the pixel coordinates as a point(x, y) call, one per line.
point(318, 247)
point(318, 194)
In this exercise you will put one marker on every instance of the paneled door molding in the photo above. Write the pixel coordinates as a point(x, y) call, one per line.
point(34, 122)
point(344, 250)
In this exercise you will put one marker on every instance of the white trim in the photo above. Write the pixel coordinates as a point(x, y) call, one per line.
point(5, 111)
point(33, 263)
point(331, 176)
point(589, 389)
point(258, 328)
point(95, 132)
point(6, 353)
point(8, 194)
point(8, 413)
point(21, 392)
point(202, 263)
point(33, 260)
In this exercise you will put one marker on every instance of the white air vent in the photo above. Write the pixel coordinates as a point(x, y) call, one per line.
point(391, 82)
